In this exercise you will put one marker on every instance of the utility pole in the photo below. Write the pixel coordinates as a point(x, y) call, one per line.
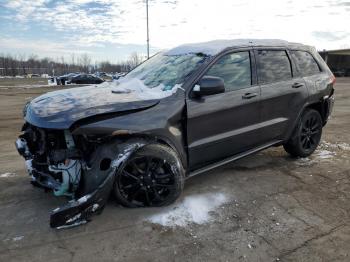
point(147, 29)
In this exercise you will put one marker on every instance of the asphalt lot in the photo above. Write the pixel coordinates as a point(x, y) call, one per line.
point(266, 207)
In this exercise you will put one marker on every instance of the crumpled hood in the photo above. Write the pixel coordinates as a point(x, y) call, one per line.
point(60, 109)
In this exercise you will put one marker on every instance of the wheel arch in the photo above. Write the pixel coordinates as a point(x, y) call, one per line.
point(320, 106)
point(149, 138)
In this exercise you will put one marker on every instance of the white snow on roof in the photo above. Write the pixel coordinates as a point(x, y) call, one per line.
point(216, 46)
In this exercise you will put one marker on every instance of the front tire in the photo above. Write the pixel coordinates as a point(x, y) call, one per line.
point(152, 176)
point(306, 136)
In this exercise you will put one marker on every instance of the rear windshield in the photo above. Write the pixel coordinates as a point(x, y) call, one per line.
point(305, 62)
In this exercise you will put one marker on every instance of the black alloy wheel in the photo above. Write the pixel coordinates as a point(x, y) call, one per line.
point(149, 178)
point(307, 135)
point(310, 133)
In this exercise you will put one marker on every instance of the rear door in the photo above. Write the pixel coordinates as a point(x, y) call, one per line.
point(283, 92)
point(221, 125)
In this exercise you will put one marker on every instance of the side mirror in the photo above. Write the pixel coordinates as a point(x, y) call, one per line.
point(209, 85)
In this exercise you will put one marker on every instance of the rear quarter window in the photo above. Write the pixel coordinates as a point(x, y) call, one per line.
point(306, 64)
point(273, 66)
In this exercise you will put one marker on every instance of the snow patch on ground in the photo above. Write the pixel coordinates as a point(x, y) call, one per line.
point(326, 151)
point(335, 146)
point(6, 175)
point(33, 86)
point(193, 209)
point(305, 161)
point(19, 238)
point(25, 86)
point(344, 146)
point(325, 154)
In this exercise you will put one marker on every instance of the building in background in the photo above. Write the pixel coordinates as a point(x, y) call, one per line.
point(338, 61)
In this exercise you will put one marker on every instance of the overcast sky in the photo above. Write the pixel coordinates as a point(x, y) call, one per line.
point(112, 29)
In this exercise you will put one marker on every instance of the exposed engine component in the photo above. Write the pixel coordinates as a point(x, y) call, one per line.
point(70, 172)
point(51, 159)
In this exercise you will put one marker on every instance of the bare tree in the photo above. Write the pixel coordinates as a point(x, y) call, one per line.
point(72, 59)
point(85, 61)
point(134, 60)
point(22, 65)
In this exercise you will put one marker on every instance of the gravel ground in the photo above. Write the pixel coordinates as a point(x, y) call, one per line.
point(266, 207)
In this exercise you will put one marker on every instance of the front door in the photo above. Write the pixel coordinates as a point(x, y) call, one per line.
point(222, 125)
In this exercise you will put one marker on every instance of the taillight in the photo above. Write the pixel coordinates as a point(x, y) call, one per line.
point(333, 79)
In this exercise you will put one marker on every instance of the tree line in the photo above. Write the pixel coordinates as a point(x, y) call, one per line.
point(20, 65)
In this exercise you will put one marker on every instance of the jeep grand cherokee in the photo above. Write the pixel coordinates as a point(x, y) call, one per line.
point(180, 113)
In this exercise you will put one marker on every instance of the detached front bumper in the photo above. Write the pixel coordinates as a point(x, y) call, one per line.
point(79, 211)
point(75, 212)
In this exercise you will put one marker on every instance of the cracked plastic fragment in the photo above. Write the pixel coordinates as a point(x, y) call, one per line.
point(80, 211)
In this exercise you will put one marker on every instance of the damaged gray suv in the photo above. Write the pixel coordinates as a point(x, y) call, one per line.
point(180, 113)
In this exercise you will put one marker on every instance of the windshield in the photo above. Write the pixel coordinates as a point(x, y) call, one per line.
point(166, 70)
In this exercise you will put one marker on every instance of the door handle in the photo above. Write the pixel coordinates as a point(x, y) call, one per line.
point(249, 95)
point(297, 85)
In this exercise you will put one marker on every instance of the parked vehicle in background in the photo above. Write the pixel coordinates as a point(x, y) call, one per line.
point(101, 74)
point(104, 76)
point(180, 113)
point(61, 80)
point(85, 79)
point(116, 76)
point(33, 75)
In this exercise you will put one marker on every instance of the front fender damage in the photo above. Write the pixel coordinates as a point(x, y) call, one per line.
point(79, 211)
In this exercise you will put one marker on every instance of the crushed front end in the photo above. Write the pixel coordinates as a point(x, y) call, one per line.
point(51, 159)
point(68, 167)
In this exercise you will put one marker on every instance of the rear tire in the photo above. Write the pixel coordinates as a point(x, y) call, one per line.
point(152, 176)
point(306, 136)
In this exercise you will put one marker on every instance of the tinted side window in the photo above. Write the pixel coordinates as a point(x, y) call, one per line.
point(306, 63)
point(234, 69)
point(274, 65)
